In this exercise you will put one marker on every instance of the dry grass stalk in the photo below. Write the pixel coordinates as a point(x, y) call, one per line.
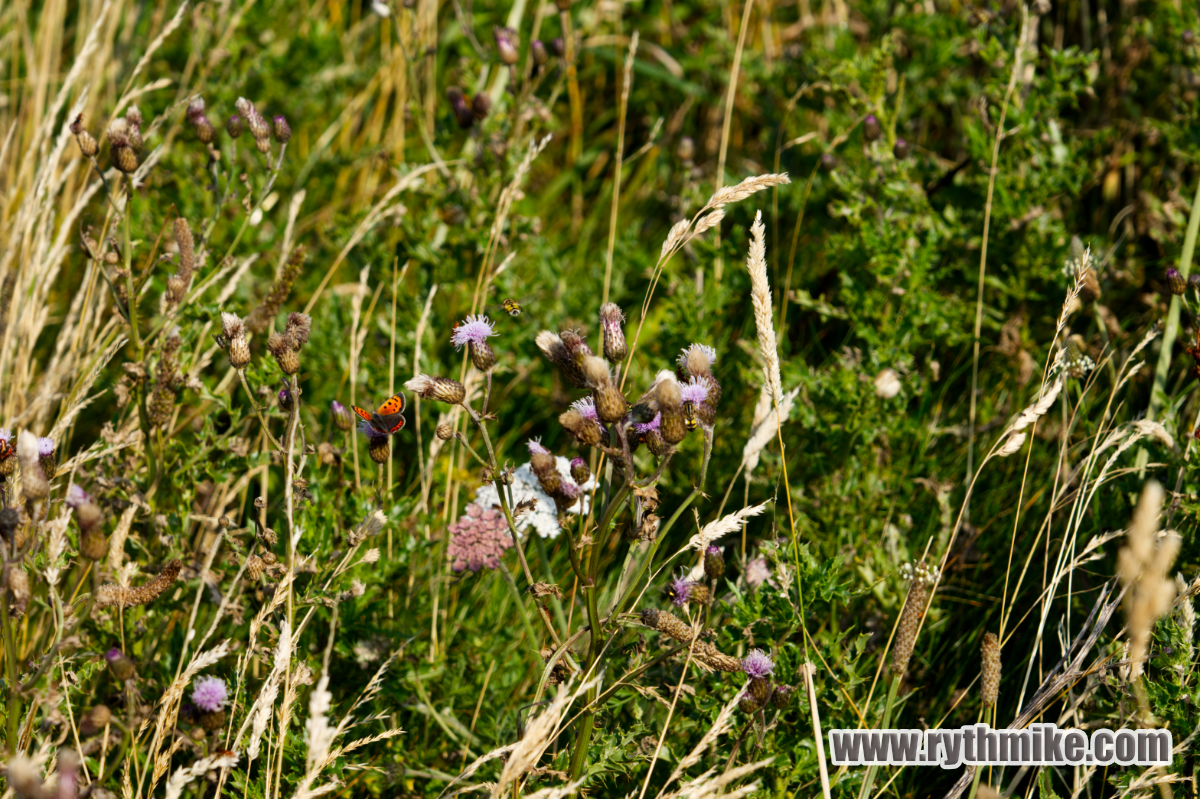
point(182, 776)
point(710, 785)
point(760, 297)
point(1143, 569)
point(719, 727)
point(1013, 444)
point(765, 430)
point(1038, 409)
point(168, 708)
point(712, 531)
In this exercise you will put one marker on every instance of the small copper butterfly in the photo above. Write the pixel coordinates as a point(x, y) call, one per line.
point(389, 418)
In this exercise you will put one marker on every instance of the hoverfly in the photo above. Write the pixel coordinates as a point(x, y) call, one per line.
point(689, 414)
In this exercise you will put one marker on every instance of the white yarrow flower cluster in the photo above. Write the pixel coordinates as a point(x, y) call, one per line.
point(544, 517)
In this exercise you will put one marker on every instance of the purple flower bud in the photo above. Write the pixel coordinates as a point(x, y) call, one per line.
point(506, 44)
point(281, 129)
point(235, 126)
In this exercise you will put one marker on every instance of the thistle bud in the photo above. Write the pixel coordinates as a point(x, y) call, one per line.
point(34, 483)
point(442, 389)
point(121, 667)
point(611, 320)
point(93, 543)
point(538, 49)
point(10, 522)
point(506, 44)
point(781, 697)
point(234, 333)
point(481, 105)
point(195, 109)
point(871, 128)
point(579, 471)
point(212, 721)
point(380, 449)
point(545, 466)
point(760, 689)
point(901, 149)
point(670, 402)
point(563, 5)
point(482, 355)
point(1176, 282)
point(135, 137)
point(829, 162)
point(254, 568)
point(566, 497)
point(46, 457)
point(748, 704)
point(557, 47)
point(558, 353)
point(280, 128)
point(714, 563)
point(445, 432)
point(342, 419)
point(234, 126)
point(282, 347)
point(989, 681)
point(87, 144)
point(134, 116)
point(654, 442)
point(610, 403)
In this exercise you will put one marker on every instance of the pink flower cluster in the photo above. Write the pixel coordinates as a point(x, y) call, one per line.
point(478, 539)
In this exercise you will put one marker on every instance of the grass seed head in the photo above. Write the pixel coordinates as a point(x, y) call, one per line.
point(922, 577)
point(989, 682)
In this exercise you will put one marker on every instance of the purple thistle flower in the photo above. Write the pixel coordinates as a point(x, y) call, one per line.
point(210, 694)
point(679, 591)
point(536, 448)
point(474, 330)
point(708, 351)
point(370, 432)
point(758, 664)
point(713, 549)
point(694, 391)
point(649, 426)
point(587, 409)
point(113, 654)
point(45, 446)
point(76, 496)
point(6, 435)
point(478, 540)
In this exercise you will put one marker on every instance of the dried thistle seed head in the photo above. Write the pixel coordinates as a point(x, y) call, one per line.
point(121, 667)
point(481, 105)
point(871, 127)
point(714, 563)
point(654, 441)
point(584, 431)
point(649, 528)
point(482, 356)
point(234, 126)
point(901, 149)
point(697, 360)
point(124, 158)
point(281, 347)
point(19, 592)
point(442, 389)
point(781, 697)
point(579, 471)
point(611, 323)
point(921, 577)
point(93, 543)
point(380, 449)
point(342, 419)
point(95, 720)
point(35, 484)
point(506, 44)
point(555, 350)
point(538, 49)
point(280, 129)
point(444, 431)
point(87, 144)
point(596, 373)
point(989, 682)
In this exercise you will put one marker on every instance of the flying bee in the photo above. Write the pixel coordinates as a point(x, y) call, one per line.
point(512, 306)
point(689, 414)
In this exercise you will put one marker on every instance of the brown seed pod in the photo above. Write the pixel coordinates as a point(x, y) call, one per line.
point(111, 595)
point(989, 681)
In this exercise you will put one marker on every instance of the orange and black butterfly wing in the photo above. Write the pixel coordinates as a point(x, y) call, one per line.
point(391, 424)
point(393, 406)
point(366, 415)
